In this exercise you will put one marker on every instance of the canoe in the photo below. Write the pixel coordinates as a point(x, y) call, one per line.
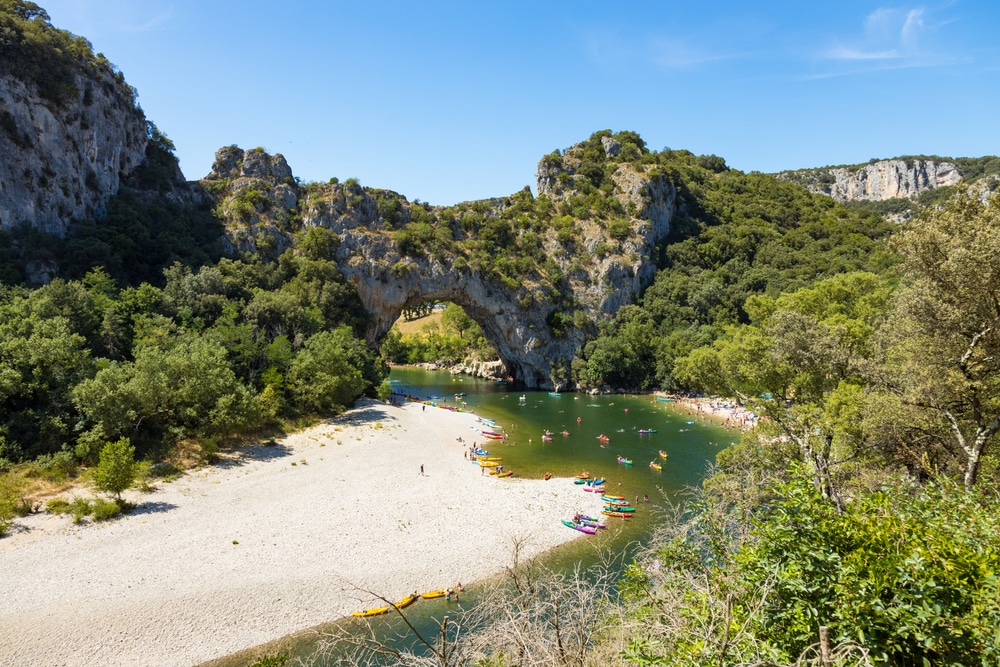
point(584, 517)
point(604, 438)
point(663, 454)
point(655, 466)
point(554, 393)
point(593, 523)
point(491, 458)
point(619, 508)
point(576, 526)
point(505, 473)
point(614, 499)
point(595, 489)
point(494, 437)
point(565, 432)
point(622, 459)
point(546, 438)
point(579, 481)
point(646, 430)
point(547, 476)
point(485, 432)
point(374, 611)
point(583, 475)
point(596, 482)
point(408, 600)
point(430, 595)
point(488, 464)
point(623, 515)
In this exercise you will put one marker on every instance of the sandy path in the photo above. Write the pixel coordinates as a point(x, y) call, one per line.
point(237, 555)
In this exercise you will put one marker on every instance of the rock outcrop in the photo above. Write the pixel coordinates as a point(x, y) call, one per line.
point(539, 321)
point(877, 181)
point(65, 160)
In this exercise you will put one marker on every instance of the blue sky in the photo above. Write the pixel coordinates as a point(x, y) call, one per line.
point(451, 101)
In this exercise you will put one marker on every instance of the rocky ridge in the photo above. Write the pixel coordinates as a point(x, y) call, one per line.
point(63, 161)
point(398, 253)
point(878, 181)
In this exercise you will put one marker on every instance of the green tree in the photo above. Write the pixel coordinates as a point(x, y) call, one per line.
point(325, 375)
point(943, 343)
point(116, 471)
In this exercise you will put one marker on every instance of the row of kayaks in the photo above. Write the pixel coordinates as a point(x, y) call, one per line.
point(405, 602)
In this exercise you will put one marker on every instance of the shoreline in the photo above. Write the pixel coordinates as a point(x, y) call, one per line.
point(282, 538)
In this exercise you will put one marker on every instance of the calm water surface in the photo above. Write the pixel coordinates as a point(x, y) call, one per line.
point(691, 444)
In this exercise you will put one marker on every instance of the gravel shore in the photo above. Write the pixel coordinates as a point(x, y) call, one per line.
point(279, 539)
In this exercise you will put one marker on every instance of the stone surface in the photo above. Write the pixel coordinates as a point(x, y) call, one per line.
point(65, 161)
point(513, 318)
point(884, 179)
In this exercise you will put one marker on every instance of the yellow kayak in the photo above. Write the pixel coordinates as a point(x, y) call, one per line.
point(663, 454)
point(488, 464)
point(490, 458)
point(655, 466)
point(439, 593)
point(407, 601)
point(374, 611)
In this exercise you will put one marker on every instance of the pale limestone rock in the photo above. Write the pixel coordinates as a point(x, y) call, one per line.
point(62, 162)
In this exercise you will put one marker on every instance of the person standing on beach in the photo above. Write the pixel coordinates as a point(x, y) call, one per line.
point(421, 469)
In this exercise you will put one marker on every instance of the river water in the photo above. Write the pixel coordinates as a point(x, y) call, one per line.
point(690, 444)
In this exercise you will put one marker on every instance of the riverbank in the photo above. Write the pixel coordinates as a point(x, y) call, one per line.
point(727, 412)
point(281, 538)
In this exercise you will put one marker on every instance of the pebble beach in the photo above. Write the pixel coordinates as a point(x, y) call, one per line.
point(275, 539)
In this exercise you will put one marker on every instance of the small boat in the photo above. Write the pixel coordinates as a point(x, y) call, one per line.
point(610, 498)
point(594, 489)
point(554, 393)
point(589, 521)
point(505, 473)
point(488, 464)
point(663, 454)
point(485, 432)
point(522, 398)
point(579, 526)
point(655, 466)
point(688, 422)
point(491, 458)
point(603, 438)
point(623, 515)
point(460, 395)
point(664, 400)
point(485, 420)
point(584, 475)
point(546, 438)
point(408, 600)
point(643, 431)
point(622, 459)
point(494, 437)
point(619, 508)
point(480, 452)
point(579, 481)
point(374, 611)
point(596, 482)
point(439, 593)
point(547, 476)
point(565, 432)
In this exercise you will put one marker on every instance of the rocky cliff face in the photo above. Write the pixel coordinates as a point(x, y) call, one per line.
point(877, 181)
point(398, 253)
point(64, 161)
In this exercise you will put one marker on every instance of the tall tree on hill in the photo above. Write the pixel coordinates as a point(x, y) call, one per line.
point(943, 346)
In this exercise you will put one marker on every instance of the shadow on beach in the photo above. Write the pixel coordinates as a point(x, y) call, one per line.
point(152, 508)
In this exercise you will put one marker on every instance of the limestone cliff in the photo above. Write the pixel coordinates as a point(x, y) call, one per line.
point(65, 160)
point(538, 274)
point(877, 181)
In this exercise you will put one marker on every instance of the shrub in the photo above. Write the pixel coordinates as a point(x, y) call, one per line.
point(105, 509)
point(116, 470)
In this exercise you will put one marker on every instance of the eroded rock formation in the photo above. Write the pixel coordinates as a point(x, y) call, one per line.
point(65, 160)
point(538, 322)
point(877, 181)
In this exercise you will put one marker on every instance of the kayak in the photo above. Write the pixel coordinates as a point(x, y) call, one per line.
point(596, 482)
point(663, 454)
point(623, 515)
point(374, 611)
point(579, 481)
point(622, 459)
point(505, 473)
point(407, 601)
point(577, 526)
point(655, 466)
point(619, 508)
point(594, 489)
point(613, 499)
point(494, 437)
point(439, 593)
point(646, 430)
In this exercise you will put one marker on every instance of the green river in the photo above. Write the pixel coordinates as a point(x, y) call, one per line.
point(689, 442)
